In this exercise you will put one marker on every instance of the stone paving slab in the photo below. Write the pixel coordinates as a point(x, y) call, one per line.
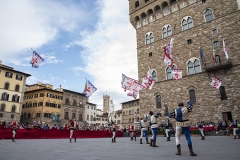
point(213, 148)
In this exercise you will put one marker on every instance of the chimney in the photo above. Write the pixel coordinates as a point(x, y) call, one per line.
point(0, 62)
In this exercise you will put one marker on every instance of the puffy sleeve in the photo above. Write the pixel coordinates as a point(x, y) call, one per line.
point(189, 106)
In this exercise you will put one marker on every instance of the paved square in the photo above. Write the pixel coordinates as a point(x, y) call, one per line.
point(213, 148)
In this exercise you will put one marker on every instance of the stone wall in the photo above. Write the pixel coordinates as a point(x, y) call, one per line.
point(209, 106)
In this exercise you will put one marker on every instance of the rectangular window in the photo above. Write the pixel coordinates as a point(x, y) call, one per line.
point(91, 117)
point(38, 114)
point(118, 121)
point(189, 41)
point(46, 115)
point(18, 77)
point(36, 96)
point(150, 54)
point(80, 117)
point(41, 94)
point(87, 117)
point(59, 105)
point(66, 115)
point(40, 103)
point(8, 74)
point(67, 101)
point(12, 115)
point(73, 115)
point(1, 115)
point(214, 31)
point(215, 44)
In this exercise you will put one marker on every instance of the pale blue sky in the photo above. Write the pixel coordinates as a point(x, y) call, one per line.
point(77, 39)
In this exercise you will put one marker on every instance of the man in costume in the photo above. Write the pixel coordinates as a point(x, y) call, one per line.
point(144, 129)
point(235, 129)
point(154, 127)
point(168, 127)
point(182, 124)
point(114, 130)
point(200, 128)
point(131, 131)
point(14, 130)
point(73, 127)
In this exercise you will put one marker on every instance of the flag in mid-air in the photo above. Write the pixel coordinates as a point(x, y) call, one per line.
point(225, 49)
point(176, 74)
point(89, 89)
point(168, 58)
point(216, 82)
point(36, 60)
point(134, 90)
point(148, 82)
point(127, 82)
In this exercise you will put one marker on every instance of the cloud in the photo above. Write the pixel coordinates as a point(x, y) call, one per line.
point(77, 69)
point(27, 23)
point(110, 51)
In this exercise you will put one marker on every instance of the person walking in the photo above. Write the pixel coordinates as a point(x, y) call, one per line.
point(144, 129)
point(183, 124)
point(200, 128)
point(154, 127)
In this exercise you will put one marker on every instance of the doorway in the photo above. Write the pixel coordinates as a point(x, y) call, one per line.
point(227, 116)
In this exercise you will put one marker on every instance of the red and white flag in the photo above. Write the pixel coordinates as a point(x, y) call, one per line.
point(225, 49)
point(176, 74)
point(148, 82)
point(168, 58)
point(134, 90)
point(127, 82)
point(216, 83)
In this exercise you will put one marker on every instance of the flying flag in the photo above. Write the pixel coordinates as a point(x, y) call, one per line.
point(213, 53)
point(134, 90)
point(127, 82)
point(36, 60)
point(176, 74)
point(89, 89)
point(148, 81)
point(225, 49)
point(216, 83)
point(201, 55)
point(168, 59)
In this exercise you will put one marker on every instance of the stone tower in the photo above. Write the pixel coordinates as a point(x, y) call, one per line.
point(106, 100)
point(192, 23)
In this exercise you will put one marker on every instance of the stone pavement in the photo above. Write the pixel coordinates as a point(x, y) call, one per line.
point(213, 148)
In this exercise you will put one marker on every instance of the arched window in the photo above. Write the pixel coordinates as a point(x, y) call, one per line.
point(193, 67)
point(13, 108)
point(136, 4)
point(15, 98)
point(2, 107)
point(154, 75)
point(223, 93)
point(187, 23)
point(192, 96)
point(17, 88)
point(218, 60)
point(158, 101)
point(169, 72)
point(5, 96)
point(6, 86)
point(149, 38)
point(208, 15)
point(166, 31)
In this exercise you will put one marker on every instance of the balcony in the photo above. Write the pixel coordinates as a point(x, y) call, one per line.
point(222, 65)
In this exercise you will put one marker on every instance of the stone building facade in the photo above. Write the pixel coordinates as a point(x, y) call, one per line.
point(129, 109)
point(39, 102)
point(193, 23)
point(12, 86)
point(73, 106)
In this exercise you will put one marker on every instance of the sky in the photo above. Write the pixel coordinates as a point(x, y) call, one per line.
point(78, 39)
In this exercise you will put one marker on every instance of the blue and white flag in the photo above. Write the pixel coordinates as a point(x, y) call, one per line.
point(36, 60)
point(89, 89)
